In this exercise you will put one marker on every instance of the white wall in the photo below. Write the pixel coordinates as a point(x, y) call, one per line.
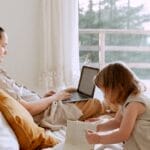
point(22, 21)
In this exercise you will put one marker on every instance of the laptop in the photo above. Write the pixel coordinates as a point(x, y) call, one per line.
point(86, 86)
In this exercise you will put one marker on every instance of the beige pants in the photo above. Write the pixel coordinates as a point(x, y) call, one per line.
point(90, 108)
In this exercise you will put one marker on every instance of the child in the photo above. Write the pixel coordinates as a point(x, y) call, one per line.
point(122, 88)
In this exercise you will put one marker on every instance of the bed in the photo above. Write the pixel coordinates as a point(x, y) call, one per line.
point(61, 136)
point(8, 136)
point(17, 126)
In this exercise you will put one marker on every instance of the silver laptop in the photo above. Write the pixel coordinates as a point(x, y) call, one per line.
point(86, 86)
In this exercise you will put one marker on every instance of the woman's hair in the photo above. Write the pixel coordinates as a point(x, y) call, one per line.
point(119, 79)
point(1, 31)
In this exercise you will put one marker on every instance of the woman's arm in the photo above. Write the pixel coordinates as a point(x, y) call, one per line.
point(49, 93)
point(37, 107)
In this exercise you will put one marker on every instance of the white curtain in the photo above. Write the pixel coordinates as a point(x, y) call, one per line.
point(60, 55)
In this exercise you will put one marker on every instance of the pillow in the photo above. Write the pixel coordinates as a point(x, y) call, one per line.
point(29, 134)
point(7, 136)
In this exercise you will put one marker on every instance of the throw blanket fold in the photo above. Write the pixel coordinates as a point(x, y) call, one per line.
point(56, 116)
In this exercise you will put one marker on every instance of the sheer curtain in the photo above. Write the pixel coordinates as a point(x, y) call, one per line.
point(60, 54)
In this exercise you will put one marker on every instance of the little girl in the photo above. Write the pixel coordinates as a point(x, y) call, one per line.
point(122, 88)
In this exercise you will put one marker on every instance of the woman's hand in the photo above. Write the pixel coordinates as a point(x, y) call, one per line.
point(49, 93)
point(62, 95)
point(70, 89)
point(92, 137)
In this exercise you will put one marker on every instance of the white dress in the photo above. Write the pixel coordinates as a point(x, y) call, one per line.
point(15, 90)
point(140, 138)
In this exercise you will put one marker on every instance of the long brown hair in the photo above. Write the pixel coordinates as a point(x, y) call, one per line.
point(1, 31)
point(120, 79)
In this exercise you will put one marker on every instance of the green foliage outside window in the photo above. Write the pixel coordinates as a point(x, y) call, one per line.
point(110, 15)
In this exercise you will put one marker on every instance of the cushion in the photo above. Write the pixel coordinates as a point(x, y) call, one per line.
point(29, 134)
point(7, 136)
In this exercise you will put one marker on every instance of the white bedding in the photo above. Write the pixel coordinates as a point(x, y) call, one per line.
point(8, 139)
point(61, 136)
point(7, 136)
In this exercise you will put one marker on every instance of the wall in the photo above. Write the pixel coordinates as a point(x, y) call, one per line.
point(22, 22)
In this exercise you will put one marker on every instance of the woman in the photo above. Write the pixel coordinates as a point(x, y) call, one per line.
point(31, 100)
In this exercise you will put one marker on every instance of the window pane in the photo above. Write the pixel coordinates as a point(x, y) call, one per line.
point(131, 48)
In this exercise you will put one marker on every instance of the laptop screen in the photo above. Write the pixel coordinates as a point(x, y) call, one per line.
point(86, 85)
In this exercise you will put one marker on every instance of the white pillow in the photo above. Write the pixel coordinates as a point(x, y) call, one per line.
point(8, 139)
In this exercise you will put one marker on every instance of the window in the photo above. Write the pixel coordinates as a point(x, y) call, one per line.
point(112, 30)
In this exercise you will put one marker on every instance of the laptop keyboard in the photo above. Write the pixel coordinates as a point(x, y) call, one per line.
point(78, 96)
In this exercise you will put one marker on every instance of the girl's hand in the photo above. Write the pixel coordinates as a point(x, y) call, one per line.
point(92, 137)
point(92, 119)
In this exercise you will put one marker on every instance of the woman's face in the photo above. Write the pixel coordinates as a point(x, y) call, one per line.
point(3, 45)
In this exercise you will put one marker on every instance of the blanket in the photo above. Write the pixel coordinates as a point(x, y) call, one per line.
point(56, 116)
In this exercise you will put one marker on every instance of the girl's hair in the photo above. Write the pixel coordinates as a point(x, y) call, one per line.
point(1, 31)
point(119, 79)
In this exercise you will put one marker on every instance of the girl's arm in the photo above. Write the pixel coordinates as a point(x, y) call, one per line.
point(133, 110)
point(111, 124)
